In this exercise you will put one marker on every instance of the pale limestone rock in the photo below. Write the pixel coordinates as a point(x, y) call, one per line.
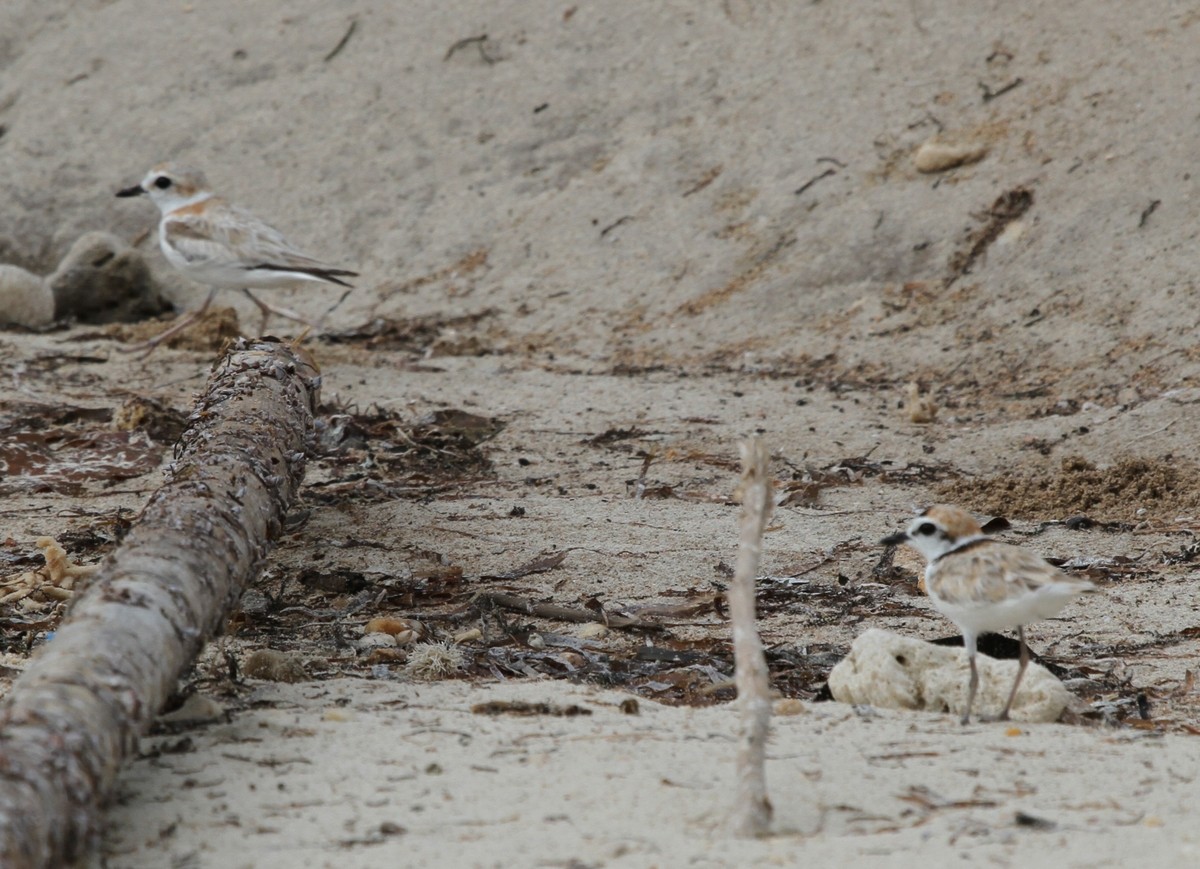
point(104, 280)
point(937, 156)
point(25, 300)
point(377, 640)
point(196, 709)
point(896, 672)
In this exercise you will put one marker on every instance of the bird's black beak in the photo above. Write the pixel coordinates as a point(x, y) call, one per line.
point(894, 539)
point(135, 190)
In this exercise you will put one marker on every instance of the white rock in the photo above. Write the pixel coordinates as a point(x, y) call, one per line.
point(25, 300)
point(468, 636)
point(104, 280)
point(376, 640)
point(196, 709)
point(937, 156)
point(895, 672)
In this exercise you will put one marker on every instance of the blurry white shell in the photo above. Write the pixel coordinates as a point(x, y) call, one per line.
point(25, 300)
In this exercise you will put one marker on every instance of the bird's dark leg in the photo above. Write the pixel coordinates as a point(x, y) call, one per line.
point(268, 310)
point(184, 322)
point(1024, 662)
point(971, 688)
point(973, 684)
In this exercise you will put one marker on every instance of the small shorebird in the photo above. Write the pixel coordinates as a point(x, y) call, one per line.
point(984, 585)
point(218, 244)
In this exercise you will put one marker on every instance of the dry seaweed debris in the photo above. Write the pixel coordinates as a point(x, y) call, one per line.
point(211, 332)
point(1131, 489)
point(374, 455)
point(65, 461)
point(56, 581)
point(806, 484)
point(423, 336)
point(1009, 206)
point(481, 632)
point(525, 708)
point(53, 448)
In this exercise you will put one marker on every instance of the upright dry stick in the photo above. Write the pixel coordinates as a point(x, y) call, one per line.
point(752, 814)
point(77, 711)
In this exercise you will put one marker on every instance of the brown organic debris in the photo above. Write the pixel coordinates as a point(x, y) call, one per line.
point(562, 613)
point(541, 564)
point(1129, 490)
point(1009, 206)
point(525, 708)
point(210, 333)
point(139, 413)
point(464, 268)
point(425, 336)
point(409, 629)
point(62, 460)
point(440, 450)
point(274, 666)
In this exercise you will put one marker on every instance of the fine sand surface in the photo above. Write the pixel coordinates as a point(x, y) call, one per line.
point(622, 237)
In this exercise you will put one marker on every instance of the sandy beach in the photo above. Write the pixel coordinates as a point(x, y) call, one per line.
point(927, 254)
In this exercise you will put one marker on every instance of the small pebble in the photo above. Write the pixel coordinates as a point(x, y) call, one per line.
point(197, 709)
point(468, 636)
point(935, 156)
point(375, 640)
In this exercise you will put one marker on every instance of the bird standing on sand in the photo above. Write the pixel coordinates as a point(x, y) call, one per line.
point(218, 244)
point(985, 585)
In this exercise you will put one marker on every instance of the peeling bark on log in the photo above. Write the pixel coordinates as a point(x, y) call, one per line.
point(75, 714)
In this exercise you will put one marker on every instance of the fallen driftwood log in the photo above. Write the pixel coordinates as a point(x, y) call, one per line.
point(75, 714)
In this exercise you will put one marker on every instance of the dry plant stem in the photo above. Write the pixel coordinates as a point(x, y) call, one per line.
point(566, 614)
point(78, 709)
point(752, 813)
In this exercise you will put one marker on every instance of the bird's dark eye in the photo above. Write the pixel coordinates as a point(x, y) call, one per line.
point(162, 182)
point(925, 529)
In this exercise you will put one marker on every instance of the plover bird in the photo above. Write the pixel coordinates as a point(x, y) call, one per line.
point(225, 247)
point(983, 585)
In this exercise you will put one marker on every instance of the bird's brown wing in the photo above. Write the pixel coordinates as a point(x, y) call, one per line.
point(220, 233)
point(996, 572)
